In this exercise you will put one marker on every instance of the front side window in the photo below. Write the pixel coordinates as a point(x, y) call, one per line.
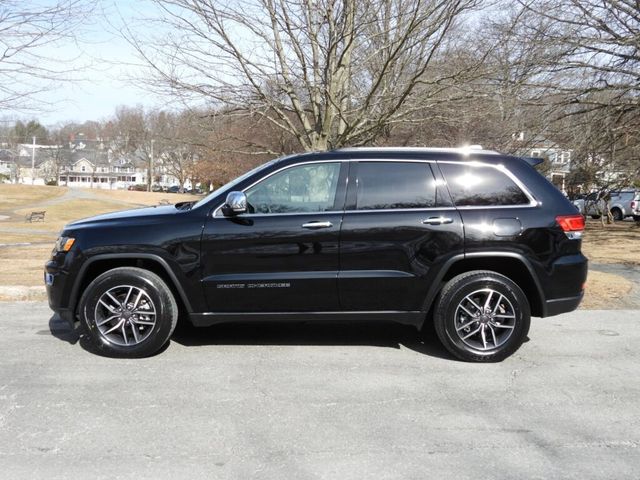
point(393, 185)
point(480, 185)
point(303, 188)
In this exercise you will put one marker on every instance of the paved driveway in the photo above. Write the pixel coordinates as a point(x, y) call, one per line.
point(320, 401)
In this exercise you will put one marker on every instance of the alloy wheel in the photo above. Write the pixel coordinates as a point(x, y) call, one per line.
point(485, 319)
point(125, 315)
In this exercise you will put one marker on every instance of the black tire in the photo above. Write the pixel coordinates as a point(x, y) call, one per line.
point(616, 213)
point(595, 217)
point(154, 329)
point(636, 218)
point(450, 313)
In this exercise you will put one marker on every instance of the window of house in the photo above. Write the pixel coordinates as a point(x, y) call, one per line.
point(303, 188)
point(83, 168)
point(479, 185)
point(393, 185)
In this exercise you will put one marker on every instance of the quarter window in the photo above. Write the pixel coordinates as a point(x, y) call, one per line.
point(392, 185)
point(303, 188)
point(477, 185)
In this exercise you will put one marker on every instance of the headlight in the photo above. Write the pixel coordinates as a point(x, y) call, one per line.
point(64, 244)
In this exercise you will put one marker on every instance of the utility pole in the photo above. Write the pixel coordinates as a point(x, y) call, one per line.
point(150, 175)
point(33, 160)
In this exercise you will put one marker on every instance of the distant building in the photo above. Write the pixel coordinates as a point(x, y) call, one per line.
point(559, 160)
point(79, 164)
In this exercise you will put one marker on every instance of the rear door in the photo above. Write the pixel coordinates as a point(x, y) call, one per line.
point(398, 228)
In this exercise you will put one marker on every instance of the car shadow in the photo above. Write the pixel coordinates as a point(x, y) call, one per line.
point(361, 333)
point(374, 334)
point(60, 329)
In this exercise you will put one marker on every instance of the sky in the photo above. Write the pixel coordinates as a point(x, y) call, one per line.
point(105, 67)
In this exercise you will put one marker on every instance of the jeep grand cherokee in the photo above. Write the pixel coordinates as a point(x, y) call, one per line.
point(472, 240)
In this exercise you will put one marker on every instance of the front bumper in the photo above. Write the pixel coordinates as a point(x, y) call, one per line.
point(59, 283)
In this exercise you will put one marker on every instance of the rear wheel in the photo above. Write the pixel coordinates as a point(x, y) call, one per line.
point(129, 312)
point(616, 213)
point(482, 316)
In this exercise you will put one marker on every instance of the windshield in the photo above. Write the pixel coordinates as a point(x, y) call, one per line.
point(229, 186)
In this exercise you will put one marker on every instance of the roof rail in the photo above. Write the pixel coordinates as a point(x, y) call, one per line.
point(464, 150)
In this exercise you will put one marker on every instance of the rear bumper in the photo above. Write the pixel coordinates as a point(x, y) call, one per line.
point(562, 305)
point(564, 285)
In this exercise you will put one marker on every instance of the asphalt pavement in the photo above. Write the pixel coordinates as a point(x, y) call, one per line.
point(320, 401)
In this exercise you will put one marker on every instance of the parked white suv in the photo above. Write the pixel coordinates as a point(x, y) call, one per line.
point(635, 207)
point(622, 204)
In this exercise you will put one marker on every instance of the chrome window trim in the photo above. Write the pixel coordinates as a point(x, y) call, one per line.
point(379, 210)
point(532, 200)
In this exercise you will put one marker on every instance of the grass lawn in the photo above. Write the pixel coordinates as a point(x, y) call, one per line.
point(146, 198)
point(16, 196)
point(616, 243)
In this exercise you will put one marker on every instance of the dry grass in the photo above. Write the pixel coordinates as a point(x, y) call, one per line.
point(603, 289)
point(24, 265)
point(59, 215)
point(56, 218)
point(10, 238)
point(617, 243)
point(146, 198)
point(15, 196)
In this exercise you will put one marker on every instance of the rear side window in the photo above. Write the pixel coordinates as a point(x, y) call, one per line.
point(622, 196)
point(478, 185)
point(392, 185)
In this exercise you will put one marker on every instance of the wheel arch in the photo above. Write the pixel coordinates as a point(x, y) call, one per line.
point(99, 264)
point(512, 265)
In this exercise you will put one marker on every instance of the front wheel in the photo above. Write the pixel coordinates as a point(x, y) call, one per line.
point(482, 316)
point(129, 312)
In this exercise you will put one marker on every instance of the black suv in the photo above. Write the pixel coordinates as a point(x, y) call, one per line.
point(472, 240)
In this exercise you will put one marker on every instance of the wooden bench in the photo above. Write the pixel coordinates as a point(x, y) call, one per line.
point(35, 217)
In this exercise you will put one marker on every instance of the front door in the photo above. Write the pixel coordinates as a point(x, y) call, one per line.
point(283, 255)
point(399, 227)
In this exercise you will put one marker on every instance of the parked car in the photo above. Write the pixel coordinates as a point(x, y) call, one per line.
point(173, 189)
point(471, 240)
point(635, 207)
point(138, 188)
point(620, 204)
point(156, 188)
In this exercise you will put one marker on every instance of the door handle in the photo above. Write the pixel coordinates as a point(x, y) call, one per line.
point(313, 225)
point(437, 220)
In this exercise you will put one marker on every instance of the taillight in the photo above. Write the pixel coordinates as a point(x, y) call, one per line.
point(572, 225)
point(634, 205)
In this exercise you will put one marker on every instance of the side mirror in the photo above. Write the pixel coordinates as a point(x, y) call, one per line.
point(235, 204)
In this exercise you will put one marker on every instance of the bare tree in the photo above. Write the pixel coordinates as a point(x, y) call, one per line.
point(599, 69)
point(28, 31)
point(328, 72)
